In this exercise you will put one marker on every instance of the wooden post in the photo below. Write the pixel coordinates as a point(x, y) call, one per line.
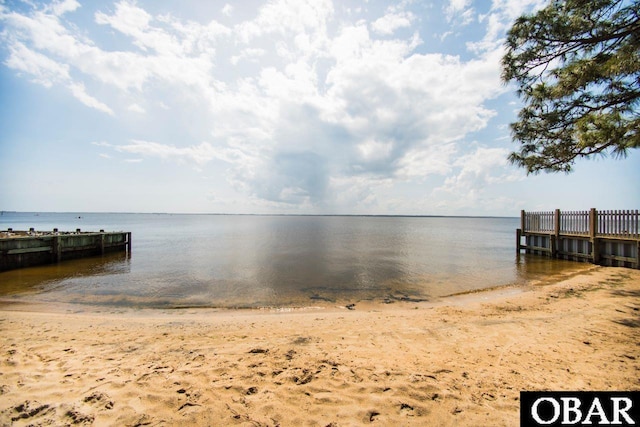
point(555, 240)
point(57, 249)
point(518, 240)
point(593, 233)
point(522, 221)
point(54, 251)
point(593, 223)
point(129, 242)
point(102, 243)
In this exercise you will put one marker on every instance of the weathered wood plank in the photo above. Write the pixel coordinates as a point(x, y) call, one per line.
point(619, 258)
point(575, 254)
point(29, 250)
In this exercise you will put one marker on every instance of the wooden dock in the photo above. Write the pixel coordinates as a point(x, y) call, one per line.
point(20, 249)
point(610, 238)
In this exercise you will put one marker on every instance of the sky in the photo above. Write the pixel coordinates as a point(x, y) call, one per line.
point(273, 106)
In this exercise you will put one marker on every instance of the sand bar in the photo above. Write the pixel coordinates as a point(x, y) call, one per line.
point(462, 361)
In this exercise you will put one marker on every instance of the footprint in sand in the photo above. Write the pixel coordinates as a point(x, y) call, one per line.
point(99, 399)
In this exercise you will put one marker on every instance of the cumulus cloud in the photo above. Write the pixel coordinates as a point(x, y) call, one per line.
point(392, 21)
point(305, 107)
point(287, 17)
point(474, 173)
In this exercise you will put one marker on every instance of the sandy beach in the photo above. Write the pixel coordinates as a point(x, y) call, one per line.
point(459, 361)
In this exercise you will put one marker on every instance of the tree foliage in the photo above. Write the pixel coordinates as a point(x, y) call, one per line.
point(577, 67)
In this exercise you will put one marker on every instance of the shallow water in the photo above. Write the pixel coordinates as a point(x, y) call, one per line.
point(278, 261)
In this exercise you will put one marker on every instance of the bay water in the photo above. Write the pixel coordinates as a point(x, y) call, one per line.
point(251, 261)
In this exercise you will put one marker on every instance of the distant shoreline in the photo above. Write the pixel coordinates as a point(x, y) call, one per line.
point(262, 214)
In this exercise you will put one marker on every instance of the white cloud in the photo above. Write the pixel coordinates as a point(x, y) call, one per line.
point(49, 38)
point(43, 32)
point(381, 87)
point(198, 154)
point(472, 185)
point(250, 54)
point(477, 170)
point(43, 69)
point(392, 21)
point(384, 112)
point(459, 11)
point(499, 19)
point(373, 150)
point(79, 92)
point(444, 35)
point(101, 144)
point(357, 192)
point(128, 18)
point(227, 9)
point(135, 108)
point(64, 6)
point(287, 16)
point(456, 6)
point(179, 61)
point(300, 102)
point(423, 161)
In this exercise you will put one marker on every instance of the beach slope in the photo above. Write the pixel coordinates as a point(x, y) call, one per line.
point(462, 361)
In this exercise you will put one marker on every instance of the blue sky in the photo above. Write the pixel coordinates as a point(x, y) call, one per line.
point(272, 106)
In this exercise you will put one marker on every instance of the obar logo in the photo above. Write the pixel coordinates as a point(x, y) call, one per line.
point(579, 408)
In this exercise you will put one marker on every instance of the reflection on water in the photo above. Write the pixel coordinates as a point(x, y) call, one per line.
point(252, 261)
point(37, 279)
point(542, 269)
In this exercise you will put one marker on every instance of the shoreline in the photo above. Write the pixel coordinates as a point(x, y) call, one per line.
point(22, 302)
point(56, 307)
point(460, 360)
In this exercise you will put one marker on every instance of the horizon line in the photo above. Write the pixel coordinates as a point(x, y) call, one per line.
point(265, 214)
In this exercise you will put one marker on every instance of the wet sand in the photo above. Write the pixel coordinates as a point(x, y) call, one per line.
point(461, 361)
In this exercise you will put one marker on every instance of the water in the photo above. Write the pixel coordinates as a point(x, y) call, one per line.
point(277, 261)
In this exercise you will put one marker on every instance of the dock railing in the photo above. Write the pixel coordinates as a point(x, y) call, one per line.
point(618, 223)
point(612, 236)
point(611, 223)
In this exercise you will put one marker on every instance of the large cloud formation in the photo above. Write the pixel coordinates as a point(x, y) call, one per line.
point(304, 103)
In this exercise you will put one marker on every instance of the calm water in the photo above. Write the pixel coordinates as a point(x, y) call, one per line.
point(257, 261)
